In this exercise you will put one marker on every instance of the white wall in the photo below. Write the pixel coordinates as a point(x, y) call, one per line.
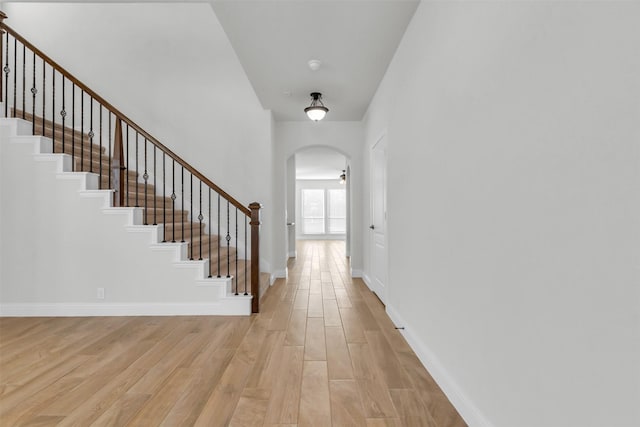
point(514, 206)
point(171, 69)
point(289, 137)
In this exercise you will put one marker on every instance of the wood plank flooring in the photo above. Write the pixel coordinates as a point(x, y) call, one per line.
point(321, 353)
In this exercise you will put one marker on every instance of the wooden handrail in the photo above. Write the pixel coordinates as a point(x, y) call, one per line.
point(245, 210)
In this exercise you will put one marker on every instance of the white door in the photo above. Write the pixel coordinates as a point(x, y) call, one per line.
point(378, 225)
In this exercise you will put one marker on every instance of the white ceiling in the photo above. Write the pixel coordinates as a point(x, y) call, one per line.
point(319, 163)
point(354, 39)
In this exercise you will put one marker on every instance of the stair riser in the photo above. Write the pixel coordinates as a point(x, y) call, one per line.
point(86, 165)
point(76, 150)
point(150, 202)
point(165, 218)
point(178, 236)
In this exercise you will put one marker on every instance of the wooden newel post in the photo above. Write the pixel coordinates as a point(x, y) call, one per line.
point(255, 256)
point(117, 166)
point(3, 16)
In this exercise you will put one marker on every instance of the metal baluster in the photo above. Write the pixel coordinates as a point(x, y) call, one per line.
point(91, 134)
point(173, 202)
point(210, 233)
point(110, 153)
point(191, 215)
point(6, 70)
point(146, 178)
point(24, 78)
point(200, 218)
point(236, 278)
point(63, 113)
point(53, 110)
point(81, 130)
point(228, 243)
point(219, 235)
point(137, 204)
point(182, 199)
point(33, 92)
point(100, 186)
point(127, 161)
point(155, 195)
point(164, 192)
point(44, 95)
point(246, 251)
point(73, 123)
point(15, 75)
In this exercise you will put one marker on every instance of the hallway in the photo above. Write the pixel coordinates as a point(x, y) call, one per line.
point(322, 352)
point(354, 367)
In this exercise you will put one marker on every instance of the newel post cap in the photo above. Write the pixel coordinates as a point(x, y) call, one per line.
point(255, 213)
point(3, 16)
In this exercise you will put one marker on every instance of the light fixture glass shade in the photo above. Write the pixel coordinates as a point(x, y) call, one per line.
point(316, 111)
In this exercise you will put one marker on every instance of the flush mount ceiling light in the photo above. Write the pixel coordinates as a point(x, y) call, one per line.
point(314, 64)
point(316, 111)
point(343, 177)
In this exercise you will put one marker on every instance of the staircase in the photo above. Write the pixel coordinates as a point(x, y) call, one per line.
point(135, 177)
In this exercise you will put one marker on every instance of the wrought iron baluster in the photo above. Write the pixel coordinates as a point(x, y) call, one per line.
point(7, 71)
point(53, 111)
point(34, 91)
point(15, 75)
point(100, 179)
point(228, 238)
point(182, 199)
point(146, 178)
point(200, 218)
point(155, 195)
point(164, 192)
point(91, 134)
point(246, 258)
point(127, 166)
point(81, 130)
point(136, 182)
point(236, 278)
point(44, 95)
point(218, 234)
point(110, 154)
point(210, 233)
point(63, 114)
point(191, 214)
point(73, 123)
point(24, 78)
point(173, 202)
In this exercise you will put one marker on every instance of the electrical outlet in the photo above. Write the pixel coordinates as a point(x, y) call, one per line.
point(100, 293)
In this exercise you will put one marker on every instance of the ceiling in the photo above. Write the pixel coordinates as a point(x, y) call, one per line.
point(319, 163)
point(354, 39)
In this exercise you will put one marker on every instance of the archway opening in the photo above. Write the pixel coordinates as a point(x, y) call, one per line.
point(318, 197)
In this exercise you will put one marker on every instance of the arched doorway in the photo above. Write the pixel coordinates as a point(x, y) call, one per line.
point(318, 197)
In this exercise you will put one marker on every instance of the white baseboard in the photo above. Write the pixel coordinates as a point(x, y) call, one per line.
point(366, 279)
point(228, 307)
point(467, 410)
point(279, 274)
point(293, 254)
point(356, 272)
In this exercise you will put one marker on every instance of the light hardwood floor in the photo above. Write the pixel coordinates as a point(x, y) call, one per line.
point(321, 353)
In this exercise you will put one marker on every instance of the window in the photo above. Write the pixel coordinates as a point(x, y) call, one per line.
point(337, 211)
point(312, 211)
point(324, 211)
